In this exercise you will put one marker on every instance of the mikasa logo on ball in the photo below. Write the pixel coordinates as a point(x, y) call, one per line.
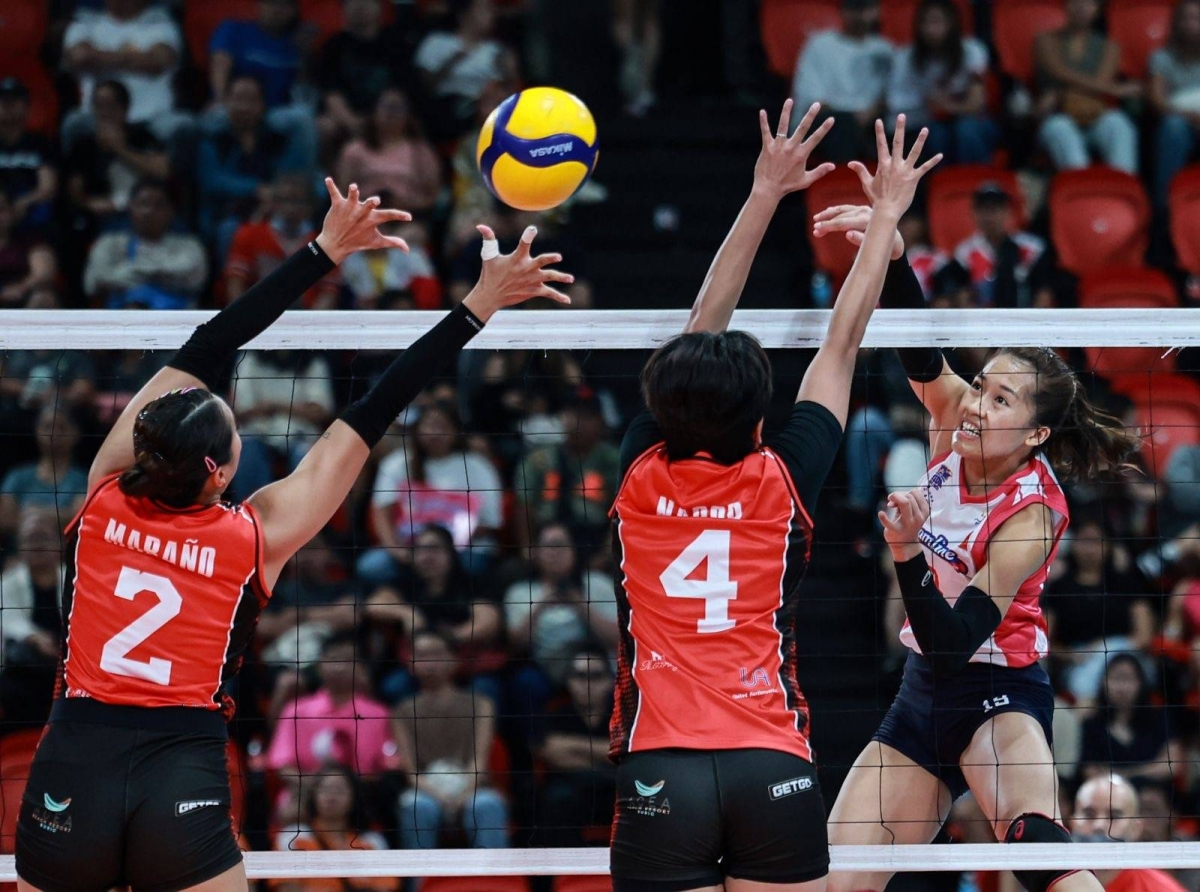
point(561, 149)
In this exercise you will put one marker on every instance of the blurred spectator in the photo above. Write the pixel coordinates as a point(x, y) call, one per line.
point(30, 600)
point(28, 161)
point(104, 165)
point(1107, 810)
point(925, 260)
point(283, 401)
point(437, 594)
point(260, 247)
point(573, 482)
point(1077, 74)
point(1127, 734)
point(337, 723)
point(1179, 496)
point(1175, 95)
point(54, 483)
point(333, 820)
point(150, 266)
point(273, 49)
point(847, 72)
point(393, 157)
point(445, 734)
point(124, 373)
point(637, 30)
point(938, 83)
point(358, 63)
point(1097, 606)
point(236, 165)
point(31, 379)
point(472, 200)
point(1007, 268)
point(559, 608)
point(386, 279)
point(434, 480)
point(580, 785)
point(456, 66)
point(28, 267)
point(135, 42)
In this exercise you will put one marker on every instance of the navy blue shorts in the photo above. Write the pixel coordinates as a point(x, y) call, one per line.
point(933, 722)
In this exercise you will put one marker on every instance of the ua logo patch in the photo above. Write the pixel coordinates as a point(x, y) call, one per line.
point(56, 807)
point(649, 789)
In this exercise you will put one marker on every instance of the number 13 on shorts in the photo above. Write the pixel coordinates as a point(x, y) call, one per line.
point(716, 589)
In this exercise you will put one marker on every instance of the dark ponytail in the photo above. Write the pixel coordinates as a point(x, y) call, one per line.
point(178, 441)
point(1083, 441)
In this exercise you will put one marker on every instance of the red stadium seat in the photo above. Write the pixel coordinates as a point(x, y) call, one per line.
point(22, 27)
point(898, 16)
point(950, 198)
point(583, 884)
point(786, 26)
point(1128, 368)
point(474, 884)
point(16, 757)
point(201, 18)
point(1098, 217)
point(833, 253)
point(43, 98)
point(1015, 24)
point(1140, 27)
point(1184, 203)
point(1169, 417)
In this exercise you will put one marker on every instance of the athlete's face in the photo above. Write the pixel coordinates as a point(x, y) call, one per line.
point(1105, 811)
point(996, 415)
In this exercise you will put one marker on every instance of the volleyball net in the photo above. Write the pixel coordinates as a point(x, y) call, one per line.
point(429, 690)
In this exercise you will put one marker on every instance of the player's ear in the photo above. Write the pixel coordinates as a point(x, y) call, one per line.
point(758, 431)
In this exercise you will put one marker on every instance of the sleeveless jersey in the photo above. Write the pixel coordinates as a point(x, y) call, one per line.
point(711, 559)
point(955, 544)
point(160, 603)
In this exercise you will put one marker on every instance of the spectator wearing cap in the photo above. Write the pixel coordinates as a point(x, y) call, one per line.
point(1107, 810)
point(1006, 268)
point(1077, 68)
point(150, 266)
point(1175, 95)
point(137, 43)
point(847, 72)
point(573, 482)
point(937, 82)
point(28, 161)
point(28, 266)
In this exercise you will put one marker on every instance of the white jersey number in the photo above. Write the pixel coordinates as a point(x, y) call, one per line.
point(115, 656)
point(716, 589)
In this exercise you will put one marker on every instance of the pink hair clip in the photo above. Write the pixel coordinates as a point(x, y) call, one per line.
point(210, 464)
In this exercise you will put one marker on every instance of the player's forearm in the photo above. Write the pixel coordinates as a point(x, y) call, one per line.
point(726, 278)
point(860, 292)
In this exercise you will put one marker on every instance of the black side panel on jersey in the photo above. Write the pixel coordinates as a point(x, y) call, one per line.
point(627, 694)
point(796, 565)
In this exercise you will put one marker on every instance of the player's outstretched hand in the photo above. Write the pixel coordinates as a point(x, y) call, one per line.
point(510, 279)
point(902, 519)
point(851, 219)
point(783, 162)
point(895, 180)
point(353, 225)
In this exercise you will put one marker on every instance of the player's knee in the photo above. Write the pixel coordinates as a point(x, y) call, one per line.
point(1033, 827)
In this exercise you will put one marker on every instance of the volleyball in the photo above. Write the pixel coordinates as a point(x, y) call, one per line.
point(537, 148)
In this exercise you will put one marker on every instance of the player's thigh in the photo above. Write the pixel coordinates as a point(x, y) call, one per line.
point(180, 833)
point(733, 885)
point(232, 880)
point(773, 818)
point(71, 826)
point(1010, 769)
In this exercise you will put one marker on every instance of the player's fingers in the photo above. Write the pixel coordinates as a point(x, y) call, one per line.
point(392, 241)
point(852, 219)
point(490, 249)
point(335, 194)
point(785, 119)
point(801, 132)
point(557, 275)
point(390, 215)
point(526, 241)
point(885, 520)
point(930, 164)
point(881, 140)
point(918, 146)
point(544, 260)
point(819, 134)
point(352, 193)
point(898, 138)
point(764, 126)
point(373, 202)
point(864, 176)
point(554, 295)
point(856, 238)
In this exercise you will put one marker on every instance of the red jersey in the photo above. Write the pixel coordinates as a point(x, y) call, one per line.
point(160, 602)
point(711, 558)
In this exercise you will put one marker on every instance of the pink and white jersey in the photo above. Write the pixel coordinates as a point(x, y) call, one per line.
point(955, 543)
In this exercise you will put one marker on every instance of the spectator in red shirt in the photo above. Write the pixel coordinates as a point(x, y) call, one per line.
point(1106, 810)
point(262, 245)
point(1007, 268)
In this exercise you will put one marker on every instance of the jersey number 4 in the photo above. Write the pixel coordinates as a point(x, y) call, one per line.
point(716, 589)
point(115, 656)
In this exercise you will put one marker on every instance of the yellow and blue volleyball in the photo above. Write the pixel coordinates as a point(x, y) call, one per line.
point(537, 148)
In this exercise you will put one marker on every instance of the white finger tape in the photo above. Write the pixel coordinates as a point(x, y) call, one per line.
point(490, 249)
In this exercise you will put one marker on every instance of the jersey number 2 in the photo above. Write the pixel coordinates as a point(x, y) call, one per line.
point(115, 656)
point(716, 589)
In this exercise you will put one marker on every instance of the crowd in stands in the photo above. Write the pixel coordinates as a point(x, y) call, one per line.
point(436, 668)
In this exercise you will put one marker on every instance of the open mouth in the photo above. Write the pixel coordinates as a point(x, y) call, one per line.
point(968, 430)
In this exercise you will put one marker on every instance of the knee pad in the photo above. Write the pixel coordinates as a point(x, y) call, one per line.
point(1032, 827)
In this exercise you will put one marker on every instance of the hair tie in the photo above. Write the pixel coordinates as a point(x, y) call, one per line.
point(210, 464)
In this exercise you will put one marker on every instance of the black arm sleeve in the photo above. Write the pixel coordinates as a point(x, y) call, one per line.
point(641, 434)
point(210, 350)
point(409, 374)
point(902, 291)
point(808, 445)
point(948, 636)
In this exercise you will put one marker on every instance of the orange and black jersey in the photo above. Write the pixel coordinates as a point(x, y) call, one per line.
point(711, 557)
point(160, 603)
